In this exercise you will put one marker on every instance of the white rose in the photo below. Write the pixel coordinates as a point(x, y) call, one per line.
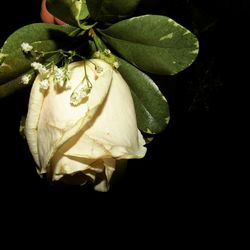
point(86, 139)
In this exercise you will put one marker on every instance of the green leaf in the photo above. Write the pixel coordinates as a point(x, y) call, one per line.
point(151, 106)
point(110, 10)
point(72, 12)
point(2, 57)
point(43, 37)
point(14, 85)
point(154, 44)
point(36, 32)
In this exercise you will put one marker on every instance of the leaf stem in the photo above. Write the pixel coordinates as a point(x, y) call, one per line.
point(98, 42)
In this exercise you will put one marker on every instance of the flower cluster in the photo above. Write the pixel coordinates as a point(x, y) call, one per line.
point(44, 72)
point(60, 76)
point(25, 79)
point(80, 92)
point(26, 47)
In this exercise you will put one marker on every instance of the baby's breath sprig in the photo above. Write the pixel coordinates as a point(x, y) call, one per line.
point(26, 47)
point(82, 90)
point(68, 56)
point(60, 76)
point(25, 79)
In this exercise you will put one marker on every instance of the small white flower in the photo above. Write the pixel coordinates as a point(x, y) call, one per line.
point(44, 84)
point(97, 54)
point(99, 69)
point(25, 79)
point(26, 47)
point(116, 65)
point(36, 65)
point(40, 68)
point(75, 98)
point(61, 75)
point(79, 93)
point(107, 52)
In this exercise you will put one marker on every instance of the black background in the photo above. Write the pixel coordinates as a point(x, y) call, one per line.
point(186, 173)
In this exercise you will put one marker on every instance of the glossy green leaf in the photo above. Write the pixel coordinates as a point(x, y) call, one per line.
point(110, 10)
point(154, 44)
point(14, 85)
point(72, 12)
point(151, 106)
point(36, 32)
point(43, 37)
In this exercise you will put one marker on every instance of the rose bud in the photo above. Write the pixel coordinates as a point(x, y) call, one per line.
point(82, 131)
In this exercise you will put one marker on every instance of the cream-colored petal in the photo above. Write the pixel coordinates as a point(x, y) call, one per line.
point(34, 109)
point(80, 171)
point(97, 170)
point(88, 138)
point(59, 120)
point(81, 145)
point(116, 127)
point(104, 180)
point(114, 132)
point(109, 164)
point(64, 165)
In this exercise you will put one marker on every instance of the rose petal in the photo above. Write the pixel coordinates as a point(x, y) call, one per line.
point(103, 185)
point(115, 128)
point(34, 109)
